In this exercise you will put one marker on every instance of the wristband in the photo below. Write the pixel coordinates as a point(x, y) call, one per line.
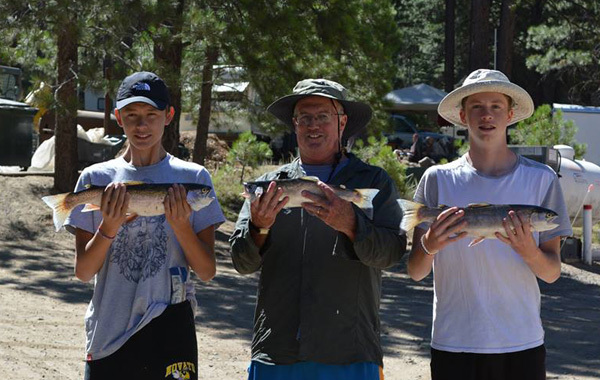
point(429, 253)
point(261, 231)
point(106, 236)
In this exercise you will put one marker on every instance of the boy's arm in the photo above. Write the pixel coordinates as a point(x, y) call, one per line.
point(91, 248)
point(419, 262)
point(91, 251)
point(544, 261)
point(444, 230)
point(197, 248)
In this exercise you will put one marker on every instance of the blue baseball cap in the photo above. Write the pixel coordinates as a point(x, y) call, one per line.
point(144, 87)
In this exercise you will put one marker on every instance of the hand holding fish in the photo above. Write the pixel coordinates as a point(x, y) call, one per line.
point(114, 205)
point(265, 207)
point(518, 234)
point(177, 209)
point(331, 209)
point(447, 228)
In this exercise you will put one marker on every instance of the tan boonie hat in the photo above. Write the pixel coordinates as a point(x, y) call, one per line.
point(484, 80)
point(359, 113)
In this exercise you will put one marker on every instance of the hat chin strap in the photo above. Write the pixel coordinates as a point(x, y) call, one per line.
point(338, 154)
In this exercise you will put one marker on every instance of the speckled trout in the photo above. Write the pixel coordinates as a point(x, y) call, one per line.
point(483, 219)
point(146, 199)
point(293, 188)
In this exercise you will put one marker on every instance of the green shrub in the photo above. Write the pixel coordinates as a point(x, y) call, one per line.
point(378, 153)
point(228, 191)
point(547, 128)
point(248, 151)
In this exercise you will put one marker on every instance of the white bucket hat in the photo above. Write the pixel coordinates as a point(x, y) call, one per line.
point(484, 80)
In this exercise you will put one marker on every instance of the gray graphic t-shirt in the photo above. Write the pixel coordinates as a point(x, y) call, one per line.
point(135, 282)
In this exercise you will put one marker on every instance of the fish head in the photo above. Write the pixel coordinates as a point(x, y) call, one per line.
point(252, 190)
point(543, 219)
point(199, 198)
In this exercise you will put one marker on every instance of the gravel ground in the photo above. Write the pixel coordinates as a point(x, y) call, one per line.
point(42, 306)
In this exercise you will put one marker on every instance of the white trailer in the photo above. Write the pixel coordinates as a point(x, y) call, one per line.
point(587, 120)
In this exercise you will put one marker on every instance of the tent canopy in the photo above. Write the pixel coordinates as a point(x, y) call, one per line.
point(420, 97)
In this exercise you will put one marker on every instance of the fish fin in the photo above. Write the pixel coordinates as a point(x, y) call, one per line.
point(310, 178)
point(90, 207)
point(197, 201)
point(442, 206)
point(366, 197)
point(410, 214)
point(58, 205)
point(133, 183)
point(476, 241)
point(478, 205)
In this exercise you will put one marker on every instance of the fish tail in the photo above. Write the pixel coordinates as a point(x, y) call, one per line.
point(410, 214)
point(58, 203)
point(366, 197)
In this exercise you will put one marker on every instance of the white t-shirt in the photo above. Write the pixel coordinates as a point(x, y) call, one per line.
point(486, 298)
point(134, 284)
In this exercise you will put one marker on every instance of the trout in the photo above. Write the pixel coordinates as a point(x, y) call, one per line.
point(292, 188)
point(483, 219)
point(146, 199)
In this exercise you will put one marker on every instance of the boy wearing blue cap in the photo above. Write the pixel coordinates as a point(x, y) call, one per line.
point(140, 321)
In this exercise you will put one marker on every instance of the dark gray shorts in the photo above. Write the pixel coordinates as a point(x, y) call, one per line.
point(164, 349)
point(521, 365)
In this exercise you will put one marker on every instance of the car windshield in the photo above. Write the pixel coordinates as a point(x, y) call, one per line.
point(401, 124)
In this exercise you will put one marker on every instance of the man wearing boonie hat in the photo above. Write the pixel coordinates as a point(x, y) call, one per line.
point(486, 309)
point(316, 314)
point(140, 321)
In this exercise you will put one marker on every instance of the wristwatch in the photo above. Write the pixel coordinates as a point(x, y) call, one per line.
point(261, 231)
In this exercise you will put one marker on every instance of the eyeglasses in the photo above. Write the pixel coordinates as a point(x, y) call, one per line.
point(318, 119)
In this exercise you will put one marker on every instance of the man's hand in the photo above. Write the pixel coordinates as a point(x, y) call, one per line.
point(331, 209)
point(264, 209)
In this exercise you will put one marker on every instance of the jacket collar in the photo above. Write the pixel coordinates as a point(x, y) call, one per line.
point(294, 170)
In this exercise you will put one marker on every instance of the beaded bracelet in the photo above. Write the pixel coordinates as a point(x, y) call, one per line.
point(106, 236)
point(424, 248)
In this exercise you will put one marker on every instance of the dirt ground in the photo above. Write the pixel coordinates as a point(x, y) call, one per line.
point(42, 306)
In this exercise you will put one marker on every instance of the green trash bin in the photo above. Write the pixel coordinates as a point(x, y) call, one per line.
point(17, 138)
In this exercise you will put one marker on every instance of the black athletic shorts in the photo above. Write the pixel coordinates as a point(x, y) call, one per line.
point(521, 365)
point(166, 348)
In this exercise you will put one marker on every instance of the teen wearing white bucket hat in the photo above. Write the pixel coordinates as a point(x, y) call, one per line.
point(486, 306)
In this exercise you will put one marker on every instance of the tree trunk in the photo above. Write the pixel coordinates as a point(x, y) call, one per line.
point(109, 127)
point(449, 46)
point(168, 54)
point(212, 54)
point(480, 46)
point(66, 162)
point(506, 34)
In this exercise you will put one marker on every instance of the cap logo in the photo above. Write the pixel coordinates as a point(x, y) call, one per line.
point(141, 86)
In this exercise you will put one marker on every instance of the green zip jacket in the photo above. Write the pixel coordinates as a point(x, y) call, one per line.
point(319, 293)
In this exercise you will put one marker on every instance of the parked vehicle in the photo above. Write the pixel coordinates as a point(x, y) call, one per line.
point(17, 137)
point(403, 131)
